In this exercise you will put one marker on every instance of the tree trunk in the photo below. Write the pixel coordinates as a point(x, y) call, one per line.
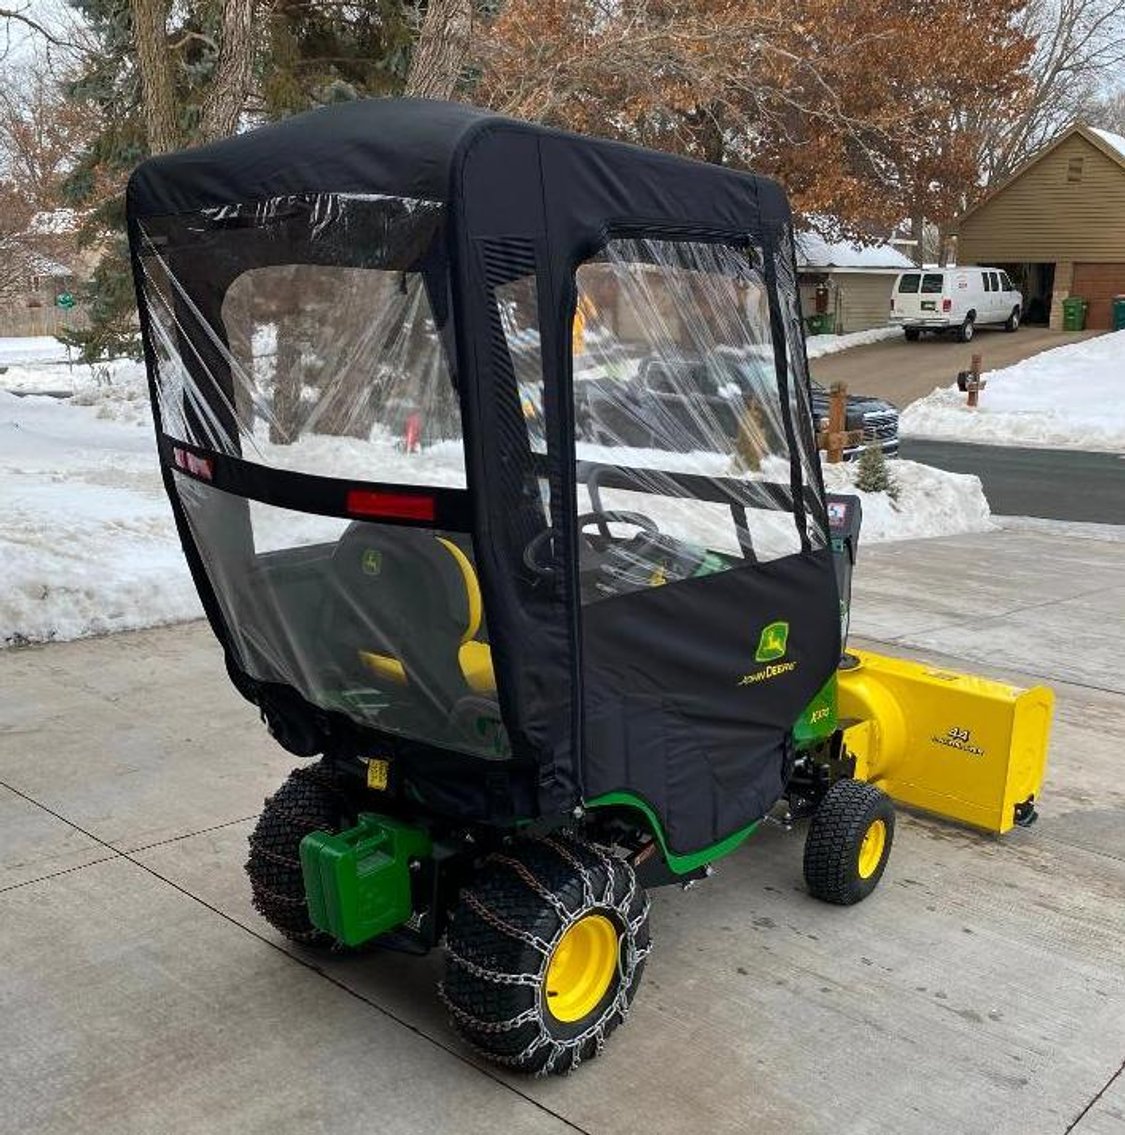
point(440, 50)
point(918, 235)
point(285, 422)
point(230, 84)
point(158, 103)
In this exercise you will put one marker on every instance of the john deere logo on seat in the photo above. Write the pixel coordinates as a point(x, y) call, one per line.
point(773, 643)
point(372, 561)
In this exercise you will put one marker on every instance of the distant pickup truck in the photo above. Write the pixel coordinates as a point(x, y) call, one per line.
point(688, 403)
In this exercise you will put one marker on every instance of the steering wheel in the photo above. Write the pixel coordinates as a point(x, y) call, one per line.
point(644, 540)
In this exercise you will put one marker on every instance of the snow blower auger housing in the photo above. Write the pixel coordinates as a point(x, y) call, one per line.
point(491, 451)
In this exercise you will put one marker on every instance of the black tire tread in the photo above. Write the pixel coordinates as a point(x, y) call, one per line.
point(835, 833)
point(308, 801)
point(507, 895)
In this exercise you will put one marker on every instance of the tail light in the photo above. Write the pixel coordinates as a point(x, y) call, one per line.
point(390, 506)
point(892, 303)
point(946, 305)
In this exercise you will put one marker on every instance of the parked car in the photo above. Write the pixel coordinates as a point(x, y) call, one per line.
point(653, 409)
point(954, 300)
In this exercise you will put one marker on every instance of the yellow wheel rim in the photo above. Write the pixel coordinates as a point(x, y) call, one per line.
point(871, 850)
point(581, 968)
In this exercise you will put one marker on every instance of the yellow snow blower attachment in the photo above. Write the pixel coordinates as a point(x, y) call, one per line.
point(966, 748)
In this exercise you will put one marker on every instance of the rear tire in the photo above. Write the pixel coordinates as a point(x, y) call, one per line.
point(912, 334)
point(966, 330)
point(849, 842)
point(1013, 321)
point(308, 801)
point(512, 993)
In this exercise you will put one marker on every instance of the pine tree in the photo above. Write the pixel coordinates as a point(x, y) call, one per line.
point(304, 53)
point(873, 474)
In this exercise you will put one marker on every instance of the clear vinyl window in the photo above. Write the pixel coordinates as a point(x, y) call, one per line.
point(675, 391)
point(382, 623)
point(311, 334)
point(304, 363)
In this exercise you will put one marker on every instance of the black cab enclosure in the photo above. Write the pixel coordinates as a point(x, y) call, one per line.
point(368, 331)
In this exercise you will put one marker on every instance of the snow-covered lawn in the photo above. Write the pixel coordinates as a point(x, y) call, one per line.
point(87, 541)
point(819, 345)
point(1072, 397)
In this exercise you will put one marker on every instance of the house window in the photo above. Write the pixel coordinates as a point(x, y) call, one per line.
point(1074, 169)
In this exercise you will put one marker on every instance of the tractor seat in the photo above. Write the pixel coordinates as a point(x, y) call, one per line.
point(430, 584)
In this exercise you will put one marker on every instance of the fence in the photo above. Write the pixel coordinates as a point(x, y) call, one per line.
point(19, 321)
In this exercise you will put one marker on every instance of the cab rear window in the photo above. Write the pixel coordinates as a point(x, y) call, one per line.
point(932, 283)
point(909, 283)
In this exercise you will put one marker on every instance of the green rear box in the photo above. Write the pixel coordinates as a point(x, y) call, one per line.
point(357, 883)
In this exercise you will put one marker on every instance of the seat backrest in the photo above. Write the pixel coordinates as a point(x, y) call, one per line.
point(409, 595)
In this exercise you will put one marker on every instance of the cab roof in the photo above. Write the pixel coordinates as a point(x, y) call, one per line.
point(419, 148)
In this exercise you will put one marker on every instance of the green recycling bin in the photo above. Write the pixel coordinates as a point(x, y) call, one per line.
point(1074, 313)
point(820, 323)
point(1119, 313)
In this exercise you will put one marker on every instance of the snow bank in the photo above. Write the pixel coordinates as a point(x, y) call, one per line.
point(931, 502)
point(87, 542)
point(88, 545)
point(818, 345)
point(1072, 397)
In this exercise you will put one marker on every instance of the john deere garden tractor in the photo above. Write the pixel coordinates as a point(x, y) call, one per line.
point(543, 650)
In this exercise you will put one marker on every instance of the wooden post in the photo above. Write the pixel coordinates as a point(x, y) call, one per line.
point(974, 386)
point(837, 436)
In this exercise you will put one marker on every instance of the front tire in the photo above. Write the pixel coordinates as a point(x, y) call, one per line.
point(308, 801)
point(545, 951)
point(1013, 320)
point(849, 842)
point(966, 331)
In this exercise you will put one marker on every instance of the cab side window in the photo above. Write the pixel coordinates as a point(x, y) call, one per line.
point(1005, 283)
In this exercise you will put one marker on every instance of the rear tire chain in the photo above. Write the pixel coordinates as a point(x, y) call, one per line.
point(487, 989)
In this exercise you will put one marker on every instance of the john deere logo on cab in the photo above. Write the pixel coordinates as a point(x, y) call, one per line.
point(772, 645)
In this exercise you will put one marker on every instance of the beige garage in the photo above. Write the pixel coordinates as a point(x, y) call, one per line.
point(1057, 226)
point(848, 283)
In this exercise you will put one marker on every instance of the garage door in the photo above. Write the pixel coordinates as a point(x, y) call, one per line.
point(1099, 283)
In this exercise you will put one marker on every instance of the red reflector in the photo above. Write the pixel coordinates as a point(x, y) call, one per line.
point(946, 305)
point(390, 506)
point(197, 466)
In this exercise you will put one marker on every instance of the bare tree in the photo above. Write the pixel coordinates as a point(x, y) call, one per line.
point(440, 50)
point(1109, 113)
point(1079, 44)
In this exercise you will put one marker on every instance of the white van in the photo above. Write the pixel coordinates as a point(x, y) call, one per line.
point(954, 299)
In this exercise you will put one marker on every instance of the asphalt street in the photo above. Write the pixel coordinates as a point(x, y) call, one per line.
point(1059, 484)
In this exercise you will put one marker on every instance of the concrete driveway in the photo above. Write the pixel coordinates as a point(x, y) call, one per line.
point(980, 989)
point(902, 372)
